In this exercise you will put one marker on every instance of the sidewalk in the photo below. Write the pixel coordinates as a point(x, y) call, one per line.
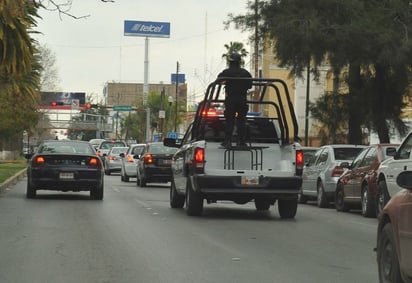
point(11, 181)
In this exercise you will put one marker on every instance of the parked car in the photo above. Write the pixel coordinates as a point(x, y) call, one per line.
point(106, 145)
point(129, 161)
point(356, 187)
point(113, 159)
point(65, 166)
point(154, 164)
point(309, 152)
point(321, 173)
point(394, 240)
point(389, 169)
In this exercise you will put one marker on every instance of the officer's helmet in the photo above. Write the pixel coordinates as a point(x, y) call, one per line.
point(234, 57)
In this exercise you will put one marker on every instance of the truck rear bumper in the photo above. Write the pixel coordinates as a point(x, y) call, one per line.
point(237, 185)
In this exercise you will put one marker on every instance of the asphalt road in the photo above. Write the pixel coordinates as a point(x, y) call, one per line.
point(134, 236)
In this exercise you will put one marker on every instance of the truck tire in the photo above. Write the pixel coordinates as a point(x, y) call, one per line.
point(194, 201)
point(287, 208)
point(388, 260)
point(176, 200)
point(262, 204)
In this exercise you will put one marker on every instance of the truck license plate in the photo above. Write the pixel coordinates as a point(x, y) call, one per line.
point(250, 180)
point(66, 176)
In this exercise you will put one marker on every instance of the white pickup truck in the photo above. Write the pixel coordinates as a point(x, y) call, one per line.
point(267, 170)
point(389, 170)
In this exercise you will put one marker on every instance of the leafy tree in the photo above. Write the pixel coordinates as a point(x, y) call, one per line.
point(49, 77)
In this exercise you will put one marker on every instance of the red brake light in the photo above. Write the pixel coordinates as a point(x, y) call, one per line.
point(299, 159)
point(99, 153)
point(198, 161)
point(39, 160)
point(209, 113)
point(148, 159)
point(337, 171)
point(93, 161)
point(111, 157)
point(130, 158)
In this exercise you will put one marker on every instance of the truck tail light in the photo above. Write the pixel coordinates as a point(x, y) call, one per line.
point(337, 171)
point(299, 162)
point(198, 162)
point(148, 159)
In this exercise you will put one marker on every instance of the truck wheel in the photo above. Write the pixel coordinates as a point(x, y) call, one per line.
point(388, 263)
point(194, 201)
point(262, 204)
point(287, 207)
point(176, 200)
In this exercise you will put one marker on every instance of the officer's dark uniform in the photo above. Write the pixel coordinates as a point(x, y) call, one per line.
point(235, 100)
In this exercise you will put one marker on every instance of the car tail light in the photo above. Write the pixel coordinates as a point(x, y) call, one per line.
point(94, 162)
point(111, 157)
point(130, 159)
point(209, 113)
point(299, 162)
point(38, 161)
point(99, 153)
point(148, 158)
point(337, 171)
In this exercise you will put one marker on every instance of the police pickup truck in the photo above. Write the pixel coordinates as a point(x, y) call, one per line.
point(267, 170)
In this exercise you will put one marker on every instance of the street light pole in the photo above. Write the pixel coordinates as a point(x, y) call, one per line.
point(177, 90)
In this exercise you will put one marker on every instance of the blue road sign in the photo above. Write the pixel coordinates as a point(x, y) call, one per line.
point(180, 78)
point(172, 135)
point(144, 28)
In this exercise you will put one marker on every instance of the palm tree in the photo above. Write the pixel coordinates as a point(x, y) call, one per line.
point(235, 47)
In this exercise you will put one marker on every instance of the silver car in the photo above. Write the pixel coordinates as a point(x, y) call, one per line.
point(129, 161)
point(322, 171)
point(113, 160)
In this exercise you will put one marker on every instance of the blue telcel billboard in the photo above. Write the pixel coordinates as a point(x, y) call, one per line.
point(144, 28)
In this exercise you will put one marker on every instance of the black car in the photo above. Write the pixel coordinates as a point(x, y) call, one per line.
point(154, 164)
point(65, 166)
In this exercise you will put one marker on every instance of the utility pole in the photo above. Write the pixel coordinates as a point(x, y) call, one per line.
point(256, 54)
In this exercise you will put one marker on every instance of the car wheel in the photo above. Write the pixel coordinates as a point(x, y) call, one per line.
point(388, 263)
point(96, 193)
point(382, 197)
point(176, 200)
point(262, 204)
point(107, 172)
point(194, 201)
point(31, 191)
point(287, 208)
point(142, 182)
point(340, 204)
point(301, 197)
point(322, 200)
point(126, 178)
point(368, 207)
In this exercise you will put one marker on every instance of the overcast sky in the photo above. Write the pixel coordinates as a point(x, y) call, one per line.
point(94, 50)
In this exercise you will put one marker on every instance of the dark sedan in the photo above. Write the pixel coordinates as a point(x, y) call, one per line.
point(356, 187)
point(154, 164)
point(394, 240)
point(65, 166)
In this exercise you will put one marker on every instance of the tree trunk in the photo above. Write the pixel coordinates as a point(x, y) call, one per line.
point(355, 108)
point(379, 105)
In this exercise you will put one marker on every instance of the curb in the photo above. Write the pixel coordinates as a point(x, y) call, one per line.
point(12, 180)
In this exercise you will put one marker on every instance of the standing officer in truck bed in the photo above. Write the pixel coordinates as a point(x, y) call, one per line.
point(235, 101)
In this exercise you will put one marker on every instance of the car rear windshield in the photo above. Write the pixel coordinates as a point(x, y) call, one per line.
point(346, 153)
point(161, 149)
point(109, 145)
point(65, 148)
